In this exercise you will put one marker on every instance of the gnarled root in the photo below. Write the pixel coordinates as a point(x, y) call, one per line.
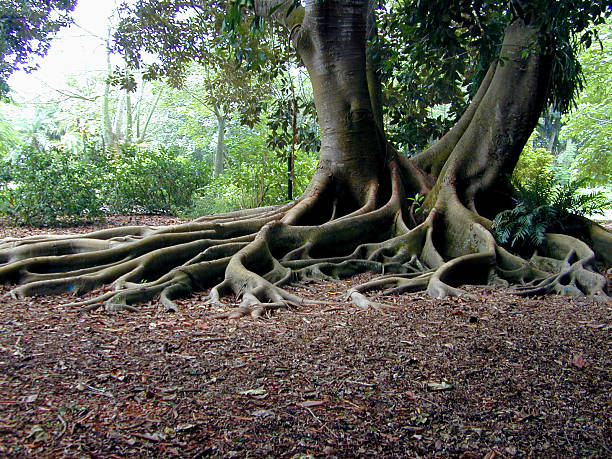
point(167, 261)
point(458, 248)
point(573, 275)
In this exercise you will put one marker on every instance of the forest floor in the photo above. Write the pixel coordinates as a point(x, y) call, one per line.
point(498, 376)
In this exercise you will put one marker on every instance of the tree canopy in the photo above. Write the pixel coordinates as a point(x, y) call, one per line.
point(26, 29)
point(426, 54)
point(433, 54)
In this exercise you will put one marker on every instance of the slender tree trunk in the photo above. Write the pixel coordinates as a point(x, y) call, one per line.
point(294, 136)
point(555, 129)
point(138, 109)
point(143, 132)
point(128, 118)
point(107, 127)
point(290, 176)
point(117, 129)
point(261, 183)
point(220, 153)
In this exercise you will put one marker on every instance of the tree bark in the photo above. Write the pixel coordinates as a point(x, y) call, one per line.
point(351, 152)
point(489, 147)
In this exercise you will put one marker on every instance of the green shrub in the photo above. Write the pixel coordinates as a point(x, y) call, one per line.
point(544, 205)
point(44, 188)
point(534, 164)
point(237, 188)
point(211, 199)
point(48, 187)
point(5, 173)
point(151, 181)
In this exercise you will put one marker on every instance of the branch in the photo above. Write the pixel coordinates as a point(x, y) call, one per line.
point(69, 94)
point(280, 14)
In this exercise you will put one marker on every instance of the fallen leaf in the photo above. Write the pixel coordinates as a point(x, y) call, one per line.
point(184, 427)
point(434, 386)
point(389, 437)
point(38, 433)
point(311, 403)
point(578, 361)
point(118, 374)
point(155, 437)
point(525, 418)
point(30, 398)
point(470, 455)
point(252, 392)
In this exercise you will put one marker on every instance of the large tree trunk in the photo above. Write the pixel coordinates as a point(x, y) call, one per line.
point(354, 216)
point(501, 120)
point(351, 151)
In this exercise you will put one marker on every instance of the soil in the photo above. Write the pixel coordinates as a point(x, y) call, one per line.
point(496, 376)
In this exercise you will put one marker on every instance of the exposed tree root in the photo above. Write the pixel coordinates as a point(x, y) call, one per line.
point(253, 255)
point(574, 274)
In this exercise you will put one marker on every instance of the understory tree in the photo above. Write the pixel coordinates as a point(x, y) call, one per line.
point(356, 214)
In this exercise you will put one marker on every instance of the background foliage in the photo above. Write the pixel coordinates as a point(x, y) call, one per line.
point(149, 146)
point(43, 187)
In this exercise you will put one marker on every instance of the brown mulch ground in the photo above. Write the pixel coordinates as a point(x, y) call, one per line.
point(499, 376)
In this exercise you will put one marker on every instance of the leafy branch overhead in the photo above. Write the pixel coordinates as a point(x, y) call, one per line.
point(432, 55)
point(26, 30)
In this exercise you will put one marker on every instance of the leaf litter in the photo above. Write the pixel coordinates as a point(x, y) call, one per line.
point(496, 376)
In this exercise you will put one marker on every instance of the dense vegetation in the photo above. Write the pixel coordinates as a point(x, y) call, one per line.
point(57, 164)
